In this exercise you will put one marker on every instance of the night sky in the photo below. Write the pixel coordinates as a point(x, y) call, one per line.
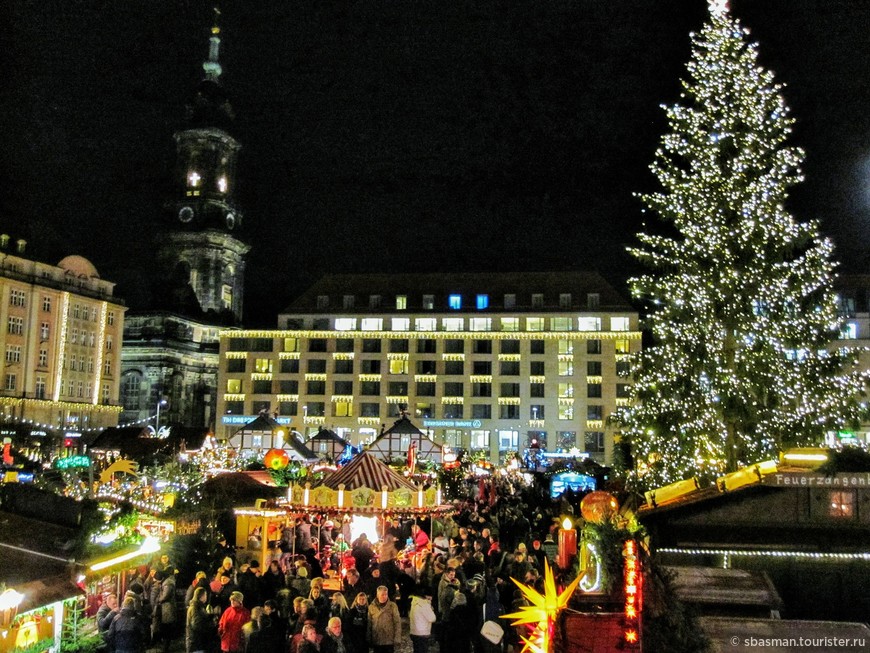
point(398, 135)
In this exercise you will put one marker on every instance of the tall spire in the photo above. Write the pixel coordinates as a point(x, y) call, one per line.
point(212, 66)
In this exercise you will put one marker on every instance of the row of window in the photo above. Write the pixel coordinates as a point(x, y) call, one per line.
point(423, 346)
point(455, 301)
point(422, 389)
point(422, 410)
point(477, 324)
point(74, 389)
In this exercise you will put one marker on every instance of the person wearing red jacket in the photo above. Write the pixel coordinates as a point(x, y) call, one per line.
point(231, 622)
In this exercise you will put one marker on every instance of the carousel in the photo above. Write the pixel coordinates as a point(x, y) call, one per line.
point(361, 498)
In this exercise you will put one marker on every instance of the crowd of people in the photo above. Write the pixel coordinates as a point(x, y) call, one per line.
point(352, 598)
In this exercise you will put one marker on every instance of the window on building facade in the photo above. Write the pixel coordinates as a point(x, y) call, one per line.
point(399, 346)
point(482, 367)
point(426, 346)
point(594, 412)
point(107, 367)
point(344, 367)
point(589, 324)
point(537, 347)
point(44, 330)
point(424, 410)
point(536, 411)
point(43, 357)
point(480, 324)
point(534, 324)
point(623, 390)
point(566, 390)
point(593, 301)
point(11, 382)
point(566, 412)
point(227, 296)
point(263, 365)
point(593, 346)
point(288, 387)
point(565, 300)
point(234, 407)
point(371, 346)
point(400, 324)
point(344, 345)
point(46, 303)
point(39, 388)
point(623, 368)
point(509, 390)
point(594, 441)
point(401, 302)
point(17, 297)
point(479, 439)
point(316, 387)
point(509, 368)
point(345, 324)
point(372, 324)
point(347, 301)
point(593, 390)
point(398, 389)
point(510, 301)
point(374, 301)
point(288, 407)
point(317, 366)
point(398, 366)
point(425, 324)
point(508, 440)
point(15, 325)
point(454, 302)
point(315, 409)
point(537, 390)
point(369, 409)
point(343, 387)
point(234, 386)
point(454, 367)
point(509, 347)
point(536, 368)
point(622, 346)
point(370, 388)
point(482, 302)
point(619, 324)
point(453, 389)
point(510, 324)
point(537, 300)
point(481, 411)
point(426, 367)
point(289, 366)
point(323, 301)
point(593, 368)
point(342, 409)
point(481, 389)
point(561, 324)
point(453, 324)
point(566, 368)
point(317, 345)
point(370, 366)
point(428, 302)
point(13, 353)
point(509, 411)
point(425, 389)
point(481, 346)
point(454, 346)
point(261, 387)
point(453, 411)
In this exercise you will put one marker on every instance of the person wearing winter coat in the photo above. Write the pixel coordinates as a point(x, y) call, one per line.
point(200, 631)
point(165, 612)
point(231, 623)
point(334, 641)
point(385, 624)
point(421, 618)
point(128, 631)
point(357, 624)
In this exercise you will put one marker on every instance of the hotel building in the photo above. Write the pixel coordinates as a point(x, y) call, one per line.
point(480, 361)
point(61, 342)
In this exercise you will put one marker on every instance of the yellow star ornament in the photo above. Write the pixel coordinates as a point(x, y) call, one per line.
point(542, 612)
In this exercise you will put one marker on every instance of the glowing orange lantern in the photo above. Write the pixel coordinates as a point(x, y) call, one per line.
point(597, 506)
point(276, 459)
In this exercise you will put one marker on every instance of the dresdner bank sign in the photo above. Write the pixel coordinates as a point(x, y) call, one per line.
point(453, 423)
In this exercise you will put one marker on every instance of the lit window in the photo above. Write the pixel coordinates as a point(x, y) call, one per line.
point(400, 324)
point(345, 324)
point(508, 440)
point(398, 367)
point(193, 179)
point(453, 324)
point(425, 324)
point(841, 504)
point(566, 368)
point(534, 324)
point(106, 393)
point(482, 302)
point(40, 388)
point(109, 343)
point(455, 302)
point(561, 324)
point(372, 324)
point(566, 390)
point(107, 367)
point(401, 302)
point(566, 346)
point(291, 344)
point(343, 409)
point(74, 336)
point(589, 324)
point(234, 386)
point(510, 324)
point(428, 302)
point(480, 324)
point(849, 331)
point(222, 184)
point(227, 296)
point(10, 381)
point(263, 365)
point(566, 412)
point(622, 346)
point(619, 324)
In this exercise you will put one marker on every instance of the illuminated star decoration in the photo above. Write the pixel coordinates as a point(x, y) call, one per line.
point(718, 6)
point(542, 612)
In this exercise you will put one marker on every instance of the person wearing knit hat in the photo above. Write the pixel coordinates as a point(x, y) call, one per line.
point(231, 623)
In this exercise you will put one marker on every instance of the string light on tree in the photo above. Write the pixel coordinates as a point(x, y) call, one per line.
point(742, 307)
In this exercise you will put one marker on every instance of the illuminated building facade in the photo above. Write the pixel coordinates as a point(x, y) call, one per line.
point(853, 294)
point(171, 351)
point(61, 338)
point(480, 361)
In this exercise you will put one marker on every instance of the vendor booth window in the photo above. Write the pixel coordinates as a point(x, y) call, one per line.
point(841, 504)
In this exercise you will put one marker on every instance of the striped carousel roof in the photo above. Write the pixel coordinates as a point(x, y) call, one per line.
point(367, 471)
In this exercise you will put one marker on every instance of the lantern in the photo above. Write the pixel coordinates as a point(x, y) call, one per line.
point(598, 506)
point(276, 459)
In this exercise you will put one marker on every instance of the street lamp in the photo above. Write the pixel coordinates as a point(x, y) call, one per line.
point(160, 403)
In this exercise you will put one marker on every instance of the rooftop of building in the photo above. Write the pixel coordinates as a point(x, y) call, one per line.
point(552, 287)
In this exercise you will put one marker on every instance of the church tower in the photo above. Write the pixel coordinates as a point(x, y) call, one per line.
point(203, 253)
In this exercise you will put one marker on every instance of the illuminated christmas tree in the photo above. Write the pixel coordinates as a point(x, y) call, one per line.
point(742, 308)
